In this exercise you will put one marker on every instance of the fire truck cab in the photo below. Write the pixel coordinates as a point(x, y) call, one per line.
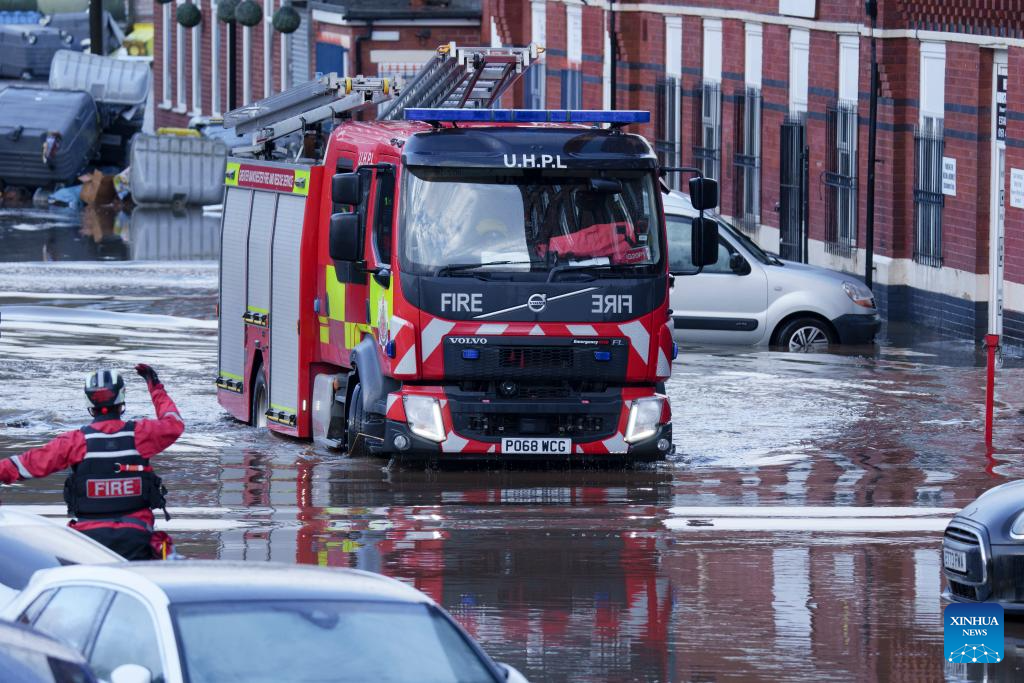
point(464, 284)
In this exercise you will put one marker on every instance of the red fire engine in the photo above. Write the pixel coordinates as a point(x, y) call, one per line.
point(466, 283)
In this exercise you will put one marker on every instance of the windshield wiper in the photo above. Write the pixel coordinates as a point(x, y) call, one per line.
point(584, 267)
point(457, 267)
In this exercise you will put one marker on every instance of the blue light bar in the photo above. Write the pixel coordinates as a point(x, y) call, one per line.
point(616, 116)
point(602, 356)
point(470, 354)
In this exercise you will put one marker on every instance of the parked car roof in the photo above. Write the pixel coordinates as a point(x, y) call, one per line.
point(678, 203)
point(30, 542)
point(209, 580)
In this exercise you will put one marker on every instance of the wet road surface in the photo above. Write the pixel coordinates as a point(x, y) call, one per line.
point(795, 535)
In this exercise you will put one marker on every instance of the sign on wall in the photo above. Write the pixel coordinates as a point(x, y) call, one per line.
point(949, 176)
point(1001, 83)
point(798, 8)
point(1017, 188)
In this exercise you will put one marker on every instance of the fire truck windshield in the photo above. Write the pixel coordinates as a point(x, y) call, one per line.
point(519, 221)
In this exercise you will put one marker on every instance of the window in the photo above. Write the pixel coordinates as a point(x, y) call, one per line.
point(34, 609)
point(707, 146)
point(127, 636)
point(799, 63)
point(572, 77)
point(179, 65)
point(384, 214)
point(928, 150)
point(680, 251)
point(841, 179)
point(240, 642)
point(747, 159)
point(71, 613)
point(668, 121)
point(214, 61)
point(268, 48)
point(572, 89)
point(536, 75)
point(27, 549)
point(928, 198)
point(165, 57)
point(667, 141)
point(196, 37)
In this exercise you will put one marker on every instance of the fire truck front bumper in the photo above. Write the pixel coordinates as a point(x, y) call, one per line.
point(447, 424)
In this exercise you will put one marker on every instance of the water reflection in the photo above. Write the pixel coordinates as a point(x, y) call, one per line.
point(106, 234)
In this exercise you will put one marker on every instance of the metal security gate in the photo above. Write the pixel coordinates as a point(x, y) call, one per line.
point(793, 191)
point(284, 306)
point(233, 274)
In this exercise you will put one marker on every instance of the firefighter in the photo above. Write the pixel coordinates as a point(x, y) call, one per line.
point(112, 489)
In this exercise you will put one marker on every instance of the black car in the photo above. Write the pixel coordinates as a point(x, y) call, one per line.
point(983, 550)
point(27, 656)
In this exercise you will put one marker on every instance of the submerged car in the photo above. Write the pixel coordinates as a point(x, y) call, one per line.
point(751, 297)
point(29, 543)
point(983, 550)
point(225, 622)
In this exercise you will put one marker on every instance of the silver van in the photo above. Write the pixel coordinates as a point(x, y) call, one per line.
point(751, 297)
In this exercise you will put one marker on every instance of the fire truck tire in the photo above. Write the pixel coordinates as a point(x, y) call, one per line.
point(260, 398)
point(356, 429)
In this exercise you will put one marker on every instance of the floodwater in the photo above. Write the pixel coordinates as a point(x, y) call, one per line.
point(794, 536)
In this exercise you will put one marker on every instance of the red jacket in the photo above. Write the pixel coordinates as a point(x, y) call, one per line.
point(151, 437)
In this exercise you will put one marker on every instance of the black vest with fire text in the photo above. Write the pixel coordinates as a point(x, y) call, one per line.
point(113, 478)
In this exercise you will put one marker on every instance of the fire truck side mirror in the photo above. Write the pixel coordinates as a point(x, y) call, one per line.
point(346, 188)
point(345, 244)
point(704, 242)
point(703, 193)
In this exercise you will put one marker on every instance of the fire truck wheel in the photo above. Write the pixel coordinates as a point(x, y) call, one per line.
point(260, 401)
point(355, 430)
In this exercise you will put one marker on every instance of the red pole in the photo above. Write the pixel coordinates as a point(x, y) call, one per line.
point(992, 342)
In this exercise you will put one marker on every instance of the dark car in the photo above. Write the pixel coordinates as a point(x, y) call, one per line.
point(29, 543)
point(30, 657)
point(983, 550)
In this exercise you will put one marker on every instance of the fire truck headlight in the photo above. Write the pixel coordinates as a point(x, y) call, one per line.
point(644, 416)
point(424, 416)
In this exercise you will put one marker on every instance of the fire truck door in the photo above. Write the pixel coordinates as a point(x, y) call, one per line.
point(284, 306)
point(233, 273)
point(264, 211)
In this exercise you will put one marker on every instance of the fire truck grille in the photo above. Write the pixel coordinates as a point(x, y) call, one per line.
point(535, 362)
point(582, 411)
point(538, 357)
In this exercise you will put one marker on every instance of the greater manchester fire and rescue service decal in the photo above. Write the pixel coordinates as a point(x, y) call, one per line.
point(973, 634)
point(273, 178)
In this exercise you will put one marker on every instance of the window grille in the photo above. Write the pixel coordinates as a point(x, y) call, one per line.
point(841, 179)
point(928, 200)
point(747, 159)
point(707, 148)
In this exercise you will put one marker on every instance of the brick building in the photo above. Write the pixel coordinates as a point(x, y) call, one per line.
point(769, 96)
point(772, 98)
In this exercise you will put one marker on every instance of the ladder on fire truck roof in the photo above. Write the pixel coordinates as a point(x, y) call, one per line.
point(455, 77)
point(463, 78)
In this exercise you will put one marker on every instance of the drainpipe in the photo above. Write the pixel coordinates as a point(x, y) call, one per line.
point(358, 47)
point(871, 6)
point(613, 36)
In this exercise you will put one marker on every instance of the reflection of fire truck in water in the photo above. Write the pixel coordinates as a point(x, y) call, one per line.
point(466, 283)
point(594, 585)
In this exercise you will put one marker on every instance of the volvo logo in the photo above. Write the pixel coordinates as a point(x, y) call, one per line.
point(537, 302)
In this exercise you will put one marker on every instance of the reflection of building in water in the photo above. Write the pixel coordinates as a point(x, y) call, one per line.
point(158, 233)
